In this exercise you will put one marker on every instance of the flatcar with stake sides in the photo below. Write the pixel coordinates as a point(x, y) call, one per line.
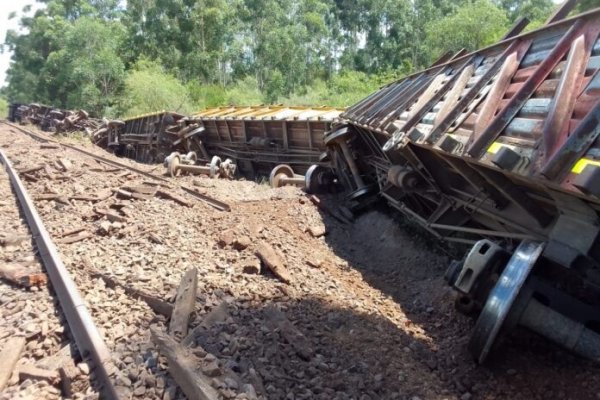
point(498, 149)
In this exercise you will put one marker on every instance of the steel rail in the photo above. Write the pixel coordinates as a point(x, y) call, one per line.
point(90, 343)
point(88, 153)
point(219, 205)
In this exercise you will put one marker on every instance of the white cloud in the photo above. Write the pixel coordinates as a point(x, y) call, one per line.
point(6, 8)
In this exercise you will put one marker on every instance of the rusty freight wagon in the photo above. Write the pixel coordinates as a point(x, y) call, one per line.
point(257, 138)
point(260, 137)
point(498, 149)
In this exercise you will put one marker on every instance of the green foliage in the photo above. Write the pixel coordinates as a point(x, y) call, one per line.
point(94, 54)
point(244, 92)
point(149, 88)
point(341, 90)
point(535, 10)
point(3, 108)
point(472, 26)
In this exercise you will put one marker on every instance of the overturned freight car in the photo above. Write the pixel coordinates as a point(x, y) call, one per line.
point(498, 149)
point(257, 138)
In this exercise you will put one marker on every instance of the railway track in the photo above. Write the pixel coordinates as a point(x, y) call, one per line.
point(45, 328)
point(202, 197)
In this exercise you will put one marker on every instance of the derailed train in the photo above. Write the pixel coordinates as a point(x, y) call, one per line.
point(497, 149)
point(257, 136)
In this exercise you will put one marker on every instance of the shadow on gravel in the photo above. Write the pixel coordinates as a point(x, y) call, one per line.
point(403, 262)
point(339, 354)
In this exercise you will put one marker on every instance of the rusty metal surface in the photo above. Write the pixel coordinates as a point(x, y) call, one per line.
point(498, 131)
point(497, 146)
point(257, 137)
point(53, 119)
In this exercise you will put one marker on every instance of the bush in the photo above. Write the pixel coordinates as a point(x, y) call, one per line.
point(3, 108)
point(342, 90)
point(148, 88)
point(244, 92)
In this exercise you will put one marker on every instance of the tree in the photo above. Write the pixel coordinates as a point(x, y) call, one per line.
point(472, 26)
point(69, 56)
point(537, 11)
point(87, 71)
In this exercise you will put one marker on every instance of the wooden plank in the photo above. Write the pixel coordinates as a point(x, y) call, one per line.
point(32, 169)
point(11, 353)
point(11, 239)
point(68, 374)
point(277, 320)
point(61, 358)
point(22, 275)
point(273, 261)
point(184, 304)
point(159, 306)
point(172, 196)
point(183, 367)
point(218, 314)
point(30, 371)
point(75, 238)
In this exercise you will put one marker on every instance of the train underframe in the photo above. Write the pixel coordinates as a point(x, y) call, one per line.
point(533, 259)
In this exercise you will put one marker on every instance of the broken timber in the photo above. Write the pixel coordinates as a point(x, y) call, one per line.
point(184, 304)
point(273, 261)
point(182, 367)
point(22, 275)
point(277, 320)
point(11, 352)
point(159, 306)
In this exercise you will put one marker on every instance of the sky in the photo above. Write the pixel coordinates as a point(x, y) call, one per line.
point(6, 7)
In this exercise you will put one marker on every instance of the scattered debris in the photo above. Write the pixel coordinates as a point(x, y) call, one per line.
point(10, 354)
point(274, 262)
point(184, 304)
point(22, 275)
point(277, 320)
point(183, 367)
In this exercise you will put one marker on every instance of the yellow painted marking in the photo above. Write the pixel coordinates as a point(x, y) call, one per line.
point(582, 163)
point(495, 147)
